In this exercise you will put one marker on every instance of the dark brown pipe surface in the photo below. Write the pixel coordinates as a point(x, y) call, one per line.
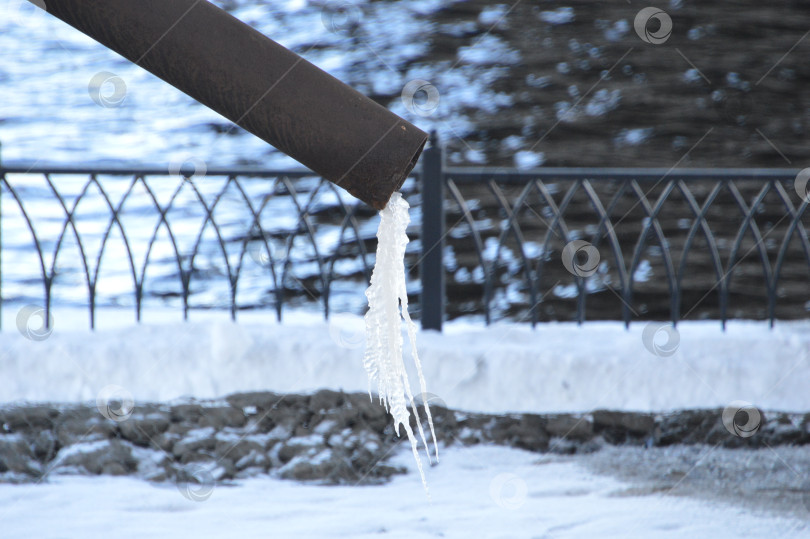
point(261, 86)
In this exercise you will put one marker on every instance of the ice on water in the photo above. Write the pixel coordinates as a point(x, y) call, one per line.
point(388, 306)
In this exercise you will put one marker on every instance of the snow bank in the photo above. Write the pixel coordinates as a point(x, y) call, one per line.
point(505, 367)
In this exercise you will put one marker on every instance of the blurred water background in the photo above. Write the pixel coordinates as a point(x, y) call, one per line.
point(565, 83)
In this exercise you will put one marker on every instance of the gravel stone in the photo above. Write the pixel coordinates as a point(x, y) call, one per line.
point(336, 438)
point(17, 457)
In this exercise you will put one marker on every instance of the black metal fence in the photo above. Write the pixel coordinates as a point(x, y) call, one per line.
point(536, 245)
point(628, 243)
point(174, 221)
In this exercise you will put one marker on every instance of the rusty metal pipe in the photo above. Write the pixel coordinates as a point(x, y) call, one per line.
point(261, 86)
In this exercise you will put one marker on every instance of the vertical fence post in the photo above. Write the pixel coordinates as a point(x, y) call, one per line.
point(2, 177)
point(432, 266)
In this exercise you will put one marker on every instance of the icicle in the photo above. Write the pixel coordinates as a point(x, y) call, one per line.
point(388, 305)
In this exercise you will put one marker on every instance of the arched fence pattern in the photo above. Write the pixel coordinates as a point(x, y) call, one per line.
point(163, 209)
point(720, 243)
point(659, 244)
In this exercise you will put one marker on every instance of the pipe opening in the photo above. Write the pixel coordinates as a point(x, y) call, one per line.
point(410, 166)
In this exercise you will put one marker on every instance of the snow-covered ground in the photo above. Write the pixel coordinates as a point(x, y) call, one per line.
point(504, 367)
point(487, 492)
point(481, 491)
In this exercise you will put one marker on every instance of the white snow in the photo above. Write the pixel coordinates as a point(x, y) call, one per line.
point(538, 81)
point(526, 159)
point(603, 101)
point(81, 447)
point(494, 16)
point(633, 137)
point(490, 492)
point(504, 367)
point(474, 155)
point(480, 491)
point(563, 15)
point(489, 50)
point(617, 31)
point(691, 75)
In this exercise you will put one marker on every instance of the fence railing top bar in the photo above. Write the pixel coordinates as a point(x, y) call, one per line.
point(155, 170)
point(23, 168)
point(475, 174)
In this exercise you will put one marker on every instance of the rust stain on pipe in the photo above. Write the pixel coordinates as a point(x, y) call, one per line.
point(261, 86)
